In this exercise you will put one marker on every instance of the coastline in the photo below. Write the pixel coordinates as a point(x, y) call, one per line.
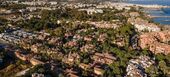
point(150, 6)
point(159, 10)
point(152, 17)
point(163, 26)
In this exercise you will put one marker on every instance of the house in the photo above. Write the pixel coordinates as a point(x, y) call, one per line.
point(103, 58)
point(34, 3)
point(77, 37)
point(25, 43)
point(71, 43)
point(21, 56)
point(34, 61)
point(120, 41)
point(103, 24)
point(102, 37)
point(134, 14)
point(41, 37)
point(88, 38)
point(2, 10)
point(87, 48)
point(37, 75)
point(66, 35)
point(35, 48)
point(53, 2)
point(53, 40)
point(84, 66)
point(71, 73)
point(28, 57)
point(98, 71)
point(96, 68)
point(71, 58)
point(92, 11)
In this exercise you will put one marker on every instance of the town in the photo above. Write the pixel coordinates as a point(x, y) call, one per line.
point(48, 38)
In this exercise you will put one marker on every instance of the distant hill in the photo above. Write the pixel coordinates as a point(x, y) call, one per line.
point(80, 0)
point(84, 1)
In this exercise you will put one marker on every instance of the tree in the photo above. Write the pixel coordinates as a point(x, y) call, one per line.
point(152, 71)
point(160, 57)
point(59, 31)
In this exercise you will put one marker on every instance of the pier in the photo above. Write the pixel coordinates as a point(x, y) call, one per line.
point(159, 16)
point(153, 6)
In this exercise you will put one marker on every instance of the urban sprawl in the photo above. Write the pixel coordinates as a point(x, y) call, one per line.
point(42, 38)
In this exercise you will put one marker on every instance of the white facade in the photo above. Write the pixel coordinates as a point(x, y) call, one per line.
point(92, 11)
point(143, 27)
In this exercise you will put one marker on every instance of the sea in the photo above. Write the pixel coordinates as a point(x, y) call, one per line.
point(165, 12)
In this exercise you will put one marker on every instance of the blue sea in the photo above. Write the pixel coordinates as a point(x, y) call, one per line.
point(163, 12)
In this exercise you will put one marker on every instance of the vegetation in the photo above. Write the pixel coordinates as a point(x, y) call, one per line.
point(13, 6)
point(49, 18)
point(67, 17)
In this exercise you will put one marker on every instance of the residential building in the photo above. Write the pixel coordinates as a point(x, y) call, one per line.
point(157, 42)
point(104, 58)
point(98, 71)
point(136, 67)
point(143, 25)
point(92, 11)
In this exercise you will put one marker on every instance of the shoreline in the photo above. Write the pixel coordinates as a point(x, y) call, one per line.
point(164, 26)
point(148, 6)
point(154, 7)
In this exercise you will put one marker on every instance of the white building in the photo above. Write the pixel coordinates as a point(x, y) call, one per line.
point(150, 28)
point(143, 25)
point(136, 67)
point(92, 11)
